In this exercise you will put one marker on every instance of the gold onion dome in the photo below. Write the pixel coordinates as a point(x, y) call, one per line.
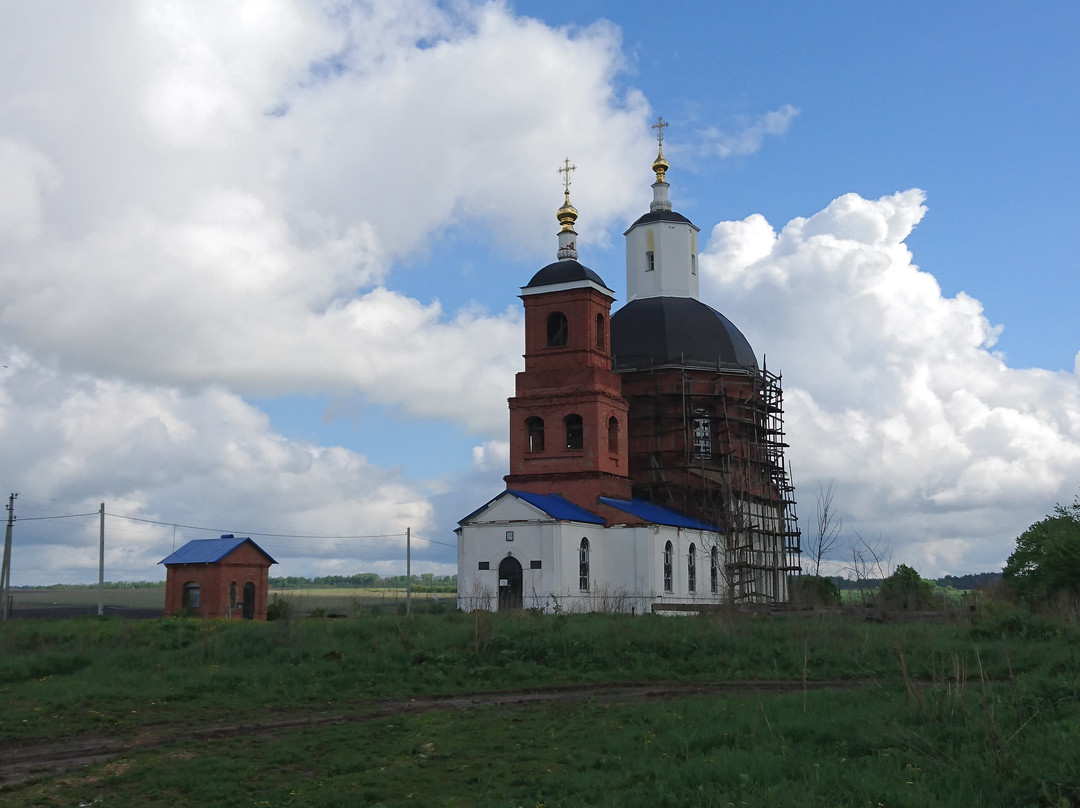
point(660, 166)
point(567, 214)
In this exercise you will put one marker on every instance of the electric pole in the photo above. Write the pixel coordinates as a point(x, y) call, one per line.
point(5, 570)
point(101, 565)
point(408, 571)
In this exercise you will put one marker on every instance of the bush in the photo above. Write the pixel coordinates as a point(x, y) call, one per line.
point(1016, 623)
point(279, 608)
point(905, 589)
point(813, 590)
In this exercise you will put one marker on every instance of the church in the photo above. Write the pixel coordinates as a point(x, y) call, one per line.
point(647, 469)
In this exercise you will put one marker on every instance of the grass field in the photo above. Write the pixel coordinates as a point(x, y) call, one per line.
point(914, 714)
point(347, 602)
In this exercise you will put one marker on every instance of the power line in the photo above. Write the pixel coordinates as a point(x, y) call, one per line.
point(205, 529)
point(250, 532)
point(433, 541)
point(62, 516)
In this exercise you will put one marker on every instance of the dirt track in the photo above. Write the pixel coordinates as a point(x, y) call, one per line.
point(21, 761)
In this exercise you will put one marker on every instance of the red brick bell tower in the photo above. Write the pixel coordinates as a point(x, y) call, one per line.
point(568, 419)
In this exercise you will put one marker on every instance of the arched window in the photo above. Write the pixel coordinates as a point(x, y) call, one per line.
point(702, 434)
point(557, 329)
point(691, 569)
point(534, 428)
point(583, 565)
point(714, 570)
point(191, 595)
point(613, 435)
point(600, 335)
point(575, 433)
point(667, 567)
point(232, 595)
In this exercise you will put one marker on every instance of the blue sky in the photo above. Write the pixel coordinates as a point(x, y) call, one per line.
point(250, 293)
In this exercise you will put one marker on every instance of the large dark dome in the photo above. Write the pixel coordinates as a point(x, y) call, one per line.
point(566, 271)
point(656, 331)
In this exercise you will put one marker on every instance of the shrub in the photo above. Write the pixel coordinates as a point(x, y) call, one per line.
point(905, 589)
point(279, 608)
point(813, 590)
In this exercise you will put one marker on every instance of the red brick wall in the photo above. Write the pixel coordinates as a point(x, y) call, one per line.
point(245, 564)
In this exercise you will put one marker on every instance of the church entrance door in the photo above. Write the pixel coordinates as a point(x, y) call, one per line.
point(509, 584)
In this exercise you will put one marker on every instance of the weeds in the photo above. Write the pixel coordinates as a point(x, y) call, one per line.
point(956, 717)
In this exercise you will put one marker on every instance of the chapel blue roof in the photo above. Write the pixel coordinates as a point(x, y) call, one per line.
point(209, 551)
point(557, 507)
point(565, 511)
point(552, 504)
point(657, 514)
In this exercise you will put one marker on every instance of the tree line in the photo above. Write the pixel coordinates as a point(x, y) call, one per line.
point(366, 580)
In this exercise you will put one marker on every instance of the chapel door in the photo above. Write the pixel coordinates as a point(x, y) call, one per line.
point(249, 601)
point(509, 584)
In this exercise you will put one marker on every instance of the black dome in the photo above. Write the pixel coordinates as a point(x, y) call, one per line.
point(566, 271)
point(661, 216)
point(655, 331)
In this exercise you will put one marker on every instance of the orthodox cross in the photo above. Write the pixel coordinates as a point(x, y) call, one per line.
point(565, 171)
point(659, 127)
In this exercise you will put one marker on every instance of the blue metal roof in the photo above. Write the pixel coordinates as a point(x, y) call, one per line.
point(209, 551)
point(552, 504)
point(557, 507)
point(565, 511)
point(657, 514)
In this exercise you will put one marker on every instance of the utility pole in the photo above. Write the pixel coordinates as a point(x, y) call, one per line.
point(5, 570)
point(101, 566)
point(408, 571)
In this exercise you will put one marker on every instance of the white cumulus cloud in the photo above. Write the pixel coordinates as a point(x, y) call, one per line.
point(892, 389)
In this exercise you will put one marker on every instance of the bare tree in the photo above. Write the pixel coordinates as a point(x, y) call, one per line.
point(868, 561)
point(827, 527)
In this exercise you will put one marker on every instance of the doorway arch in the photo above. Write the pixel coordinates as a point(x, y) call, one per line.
point(510, 595)
point(249, 601)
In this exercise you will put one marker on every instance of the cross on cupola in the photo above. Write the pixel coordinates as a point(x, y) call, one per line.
point(660, 165)
point(565, 171)
point(567, 215)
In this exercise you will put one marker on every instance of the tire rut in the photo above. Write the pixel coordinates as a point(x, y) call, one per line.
point(24, 761)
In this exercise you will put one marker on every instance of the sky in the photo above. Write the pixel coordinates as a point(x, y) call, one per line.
point(259, 261)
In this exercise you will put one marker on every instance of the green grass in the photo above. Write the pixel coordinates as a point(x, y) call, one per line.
point(331, 600)
point(949, 714)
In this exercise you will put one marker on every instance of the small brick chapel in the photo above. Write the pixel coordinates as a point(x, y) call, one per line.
point(224, 578)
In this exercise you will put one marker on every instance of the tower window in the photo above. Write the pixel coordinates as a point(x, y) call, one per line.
point(714, 570)
point(693, 264)
point(691, 569)
point(600, 335)
point(702, 437)
point(575, 433)
point(583, 565)
point(650, 260)
point(613, 435)
point(557, 329)
point(535, 434)
point(667, 567)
